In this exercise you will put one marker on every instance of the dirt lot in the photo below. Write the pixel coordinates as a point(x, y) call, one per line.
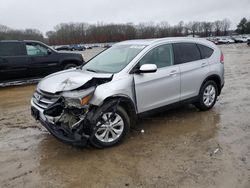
point(179, 148)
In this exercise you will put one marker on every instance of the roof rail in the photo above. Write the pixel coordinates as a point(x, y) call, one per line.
point(10, 40)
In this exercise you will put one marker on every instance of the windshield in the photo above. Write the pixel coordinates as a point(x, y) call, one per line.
point(114, 59)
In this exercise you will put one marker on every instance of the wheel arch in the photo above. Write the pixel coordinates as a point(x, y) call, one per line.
point(69, 61)
point(216, 79)
point(128, 105)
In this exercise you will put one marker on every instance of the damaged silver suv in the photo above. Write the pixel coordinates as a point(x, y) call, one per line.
point(98, 102)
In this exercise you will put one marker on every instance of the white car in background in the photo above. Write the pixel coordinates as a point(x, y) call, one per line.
point(240, 39)
point(225, 41)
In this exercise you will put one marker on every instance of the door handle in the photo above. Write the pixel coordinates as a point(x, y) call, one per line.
point(173, 72)
point(204, 64)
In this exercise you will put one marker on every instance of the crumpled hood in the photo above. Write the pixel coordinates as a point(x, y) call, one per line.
point(68, 80)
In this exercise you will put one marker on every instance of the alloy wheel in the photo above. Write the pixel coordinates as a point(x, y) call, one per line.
point(111, 129)
point(209, 95)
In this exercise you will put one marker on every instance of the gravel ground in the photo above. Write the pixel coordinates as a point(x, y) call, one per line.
point(179, 148)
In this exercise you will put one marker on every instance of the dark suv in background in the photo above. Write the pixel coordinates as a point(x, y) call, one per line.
point(32, 59)
point(73, 47)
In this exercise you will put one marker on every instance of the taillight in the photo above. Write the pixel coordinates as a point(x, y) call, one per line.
point(221, 58)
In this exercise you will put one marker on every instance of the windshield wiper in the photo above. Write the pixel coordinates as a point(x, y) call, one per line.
point(97, 71)
point(91, 70)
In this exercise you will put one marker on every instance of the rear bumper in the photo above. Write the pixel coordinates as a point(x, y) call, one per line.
point(222, 85)
point(220, 89)
point(57, 131)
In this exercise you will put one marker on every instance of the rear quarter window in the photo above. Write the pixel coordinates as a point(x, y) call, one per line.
point(206, 52)
point(186, 52)
point(11, 49)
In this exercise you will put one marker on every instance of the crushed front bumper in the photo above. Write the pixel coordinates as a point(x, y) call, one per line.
point(56, 131)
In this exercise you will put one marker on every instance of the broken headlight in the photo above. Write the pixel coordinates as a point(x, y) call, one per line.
point(78, 98)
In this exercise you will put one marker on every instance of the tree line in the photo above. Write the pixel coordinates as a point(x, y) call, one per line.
point(74, 33)
point(7, 33)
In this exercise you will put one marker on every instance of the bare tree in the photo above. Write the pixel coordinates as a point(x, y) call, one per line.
point(4, 28)
point(163, 30)
point(207, 28)
point(218, 25)
point(180, 28)
point(192, 27)
point(225, 25)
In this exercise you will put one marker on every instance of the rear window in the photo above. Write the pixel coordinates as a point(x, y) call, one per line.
point(11, 49)
point(186, 52)
point(206, 52)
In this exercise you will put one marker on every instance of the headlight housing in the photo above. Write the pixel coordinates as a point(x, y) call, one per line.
point(78, 98)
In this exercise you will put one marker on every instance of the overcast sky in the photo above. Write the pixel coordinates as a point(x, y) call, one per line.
point(45, 14)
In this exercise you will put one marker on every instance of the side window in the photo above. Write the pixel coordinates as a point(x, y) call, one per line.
point(36, 50)
point(186, 52)
point(206, 52)
point(162, 56)
point(10, 49)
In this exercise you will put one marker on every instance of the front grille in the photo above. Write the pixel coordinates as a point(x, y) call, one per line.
point(43, 100)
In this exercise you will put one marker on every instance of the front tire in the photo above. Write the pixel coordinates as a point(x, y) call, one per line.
point(69, 66)
point(207, 96)
point(113, 131)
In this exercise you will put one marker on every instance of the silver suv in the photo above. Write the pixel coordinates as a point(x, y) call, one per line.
point(98, 102)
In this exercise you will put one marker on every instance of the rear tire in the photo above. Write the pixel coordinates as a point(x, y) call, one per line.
point(108, 139)
point(69, 66)
point(207, 96)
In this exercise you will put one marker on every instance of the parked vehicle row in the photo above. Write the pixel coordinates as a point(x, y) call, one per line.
point(74, 47)
point(99, 102)
point(240, 39)
point(32, 59)
point(228, 40)
point(81, 47)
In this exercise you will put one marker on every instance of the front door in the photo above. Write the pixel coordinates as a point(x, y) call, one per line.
point(42, 61)
point(161, 88)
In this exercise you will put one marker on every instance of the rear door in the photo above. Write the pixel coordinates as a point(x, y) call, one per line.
point(193, 69)
point(43, 60)
point(161, 88)
point(13, 61)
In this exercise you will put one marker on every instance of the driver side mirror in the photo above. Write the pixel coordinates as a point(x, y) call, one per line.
point(148, 68)
point(49, 51)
